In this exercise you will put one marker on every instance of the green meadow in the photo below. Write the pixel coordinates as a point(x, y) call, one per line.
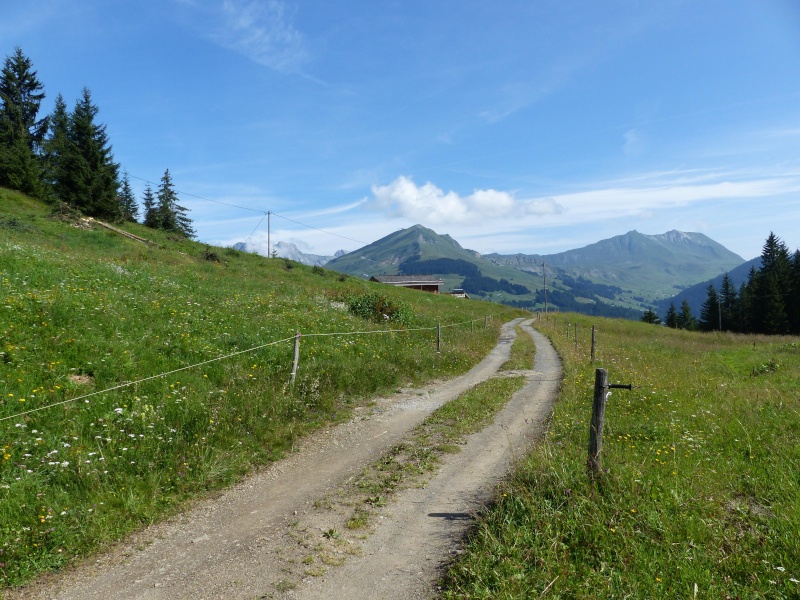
point(137, 377)
point(700, 495)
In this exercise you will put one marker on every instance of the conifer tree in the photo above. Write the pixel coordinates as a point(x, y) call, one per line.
point(671, 319)
point(128, 209)
point(151, 214)
point(172, 216)
point(773, 309)
point(21, 133)
point(793, 307)
point(710, 311)
point(686, 319)
point(55, 146)
point(728, 300)
point(650, 316)
point(88, 178)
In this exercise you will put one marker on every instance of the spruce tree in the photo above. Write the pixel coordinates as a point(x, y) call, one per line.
point(793, 307)
point(128, 209)
point(774, 320)
point(55, 146)
point(728, 300)
point(686, 319)
point(650, 316)
point(89, 176)
point(21, 133)
point(671, 319)
point(710, 311)
point(172, 216)
point(151, 214)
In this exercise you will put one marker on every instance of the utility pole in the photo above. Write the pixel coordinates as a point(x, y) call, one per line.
point(269, 249)
point(544, 274)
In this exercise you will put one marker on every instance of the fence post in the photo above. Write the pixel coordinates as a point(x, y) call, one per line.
point(568, 326)
point(594, 462)
point(592, 343)
point(296, 356)
point(438, 338)
point(485, 318)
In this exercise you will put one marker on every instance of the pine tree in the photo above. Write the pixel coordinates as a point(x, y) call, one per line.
point(151, 214)
point(172, 216)
point(21, 134)
point(671, 319)
point(710, 311)
point(128, 209)
point(88, 178)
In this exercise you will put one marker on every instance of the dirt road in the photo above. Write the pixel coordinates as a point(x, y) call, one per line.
point(254, 540)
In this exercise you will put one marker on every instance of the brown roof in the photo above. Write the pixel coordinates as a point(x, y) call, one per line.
point(409, 279)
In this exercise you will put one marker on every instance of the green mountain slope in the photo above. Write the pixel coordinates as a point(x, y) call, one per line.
point(616, 277)
point(650, 266)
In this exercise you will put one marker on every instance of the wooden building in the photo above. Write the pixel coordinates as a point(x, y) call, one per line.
point(426, 283)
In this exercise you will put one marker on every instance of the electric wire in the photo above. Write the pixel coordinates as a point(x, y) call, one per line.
point(216, 359)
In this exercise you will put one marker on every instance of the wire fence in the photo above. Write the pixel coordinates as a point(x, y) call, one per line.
point(295, 338)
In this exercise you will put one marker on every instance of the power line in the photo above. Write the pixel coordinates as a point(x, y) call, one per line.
point(258, 210)
point(322, 230)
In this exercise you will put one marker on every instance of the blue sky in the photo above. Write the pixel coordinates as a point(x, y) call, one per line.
point(514, 126)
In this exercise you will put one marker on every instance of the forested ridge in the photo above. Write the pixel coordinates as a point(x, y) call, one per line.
point(768, 302)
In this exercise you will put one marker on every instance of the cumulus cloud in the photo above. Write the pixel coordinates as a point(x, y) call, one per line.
point(430, 204)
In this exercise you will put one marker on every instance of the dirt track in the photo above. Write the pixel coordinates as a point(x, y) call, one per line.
point(250, 541)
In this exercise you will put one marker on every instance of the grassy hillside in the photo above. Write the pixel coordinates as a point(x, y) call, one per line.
point(83, 310)
point(701, 495)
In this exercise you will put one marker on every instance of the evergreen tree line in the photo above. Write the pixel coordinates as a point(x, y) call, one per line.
point(66, 156)
point(768, 302)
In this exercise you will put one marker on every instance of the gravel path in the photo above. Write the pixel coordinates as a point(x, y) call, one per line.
point(250, 541)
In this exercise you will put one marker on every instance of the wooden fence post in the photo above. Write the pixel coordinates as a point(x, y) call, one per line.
point(594, 462)
point(485, 319)
point(592, 343)
point(568, 326)
point(296, 356)
point(438, 338)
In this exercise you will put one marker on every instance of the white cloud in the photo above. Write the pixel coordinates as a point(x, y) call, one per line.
point(616, 202)
point(261, 30)
point(430, 204)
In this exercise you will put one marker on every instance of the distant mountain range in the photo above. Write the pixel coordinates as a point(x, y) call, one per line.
point(620, 276)
point(655, 266)
point(292, 252)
